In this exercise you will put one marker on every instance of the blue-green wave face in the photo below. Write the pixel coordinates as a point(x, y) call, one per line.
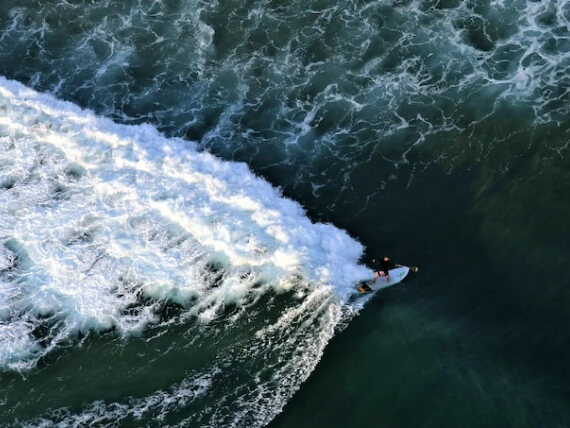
point(130, 254)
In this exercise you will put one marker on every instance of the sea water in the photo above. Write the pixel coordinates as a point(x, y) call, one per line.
point(190, 190)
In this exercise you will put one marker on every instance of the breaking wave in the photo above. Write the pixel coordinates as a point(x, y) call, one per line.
point(103, 226)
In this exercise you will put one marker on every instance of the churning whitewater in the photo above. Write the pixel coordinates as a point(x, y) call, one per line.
point(103, 225)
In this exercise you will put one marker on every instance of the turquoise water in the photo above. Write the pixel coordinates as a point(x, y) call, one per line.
point(145, 283)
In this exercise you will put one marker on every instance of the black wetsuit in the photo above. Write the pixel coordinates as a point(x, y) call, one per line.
point(385, 266)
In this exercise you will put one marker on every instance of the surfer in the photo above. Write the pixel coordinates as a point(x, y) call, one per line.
point(384, 268)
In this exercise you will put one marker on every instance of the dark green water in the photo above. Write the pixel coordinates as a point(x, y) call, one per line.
point(435, 131)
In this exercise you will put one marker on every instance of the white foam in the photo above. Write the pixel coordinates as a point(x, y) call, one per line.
point(156, 405)
point(98, 215)
point(278, 358)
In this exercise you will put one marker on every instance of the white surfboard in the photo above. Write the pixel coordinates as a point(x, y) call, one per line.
point(396, 275)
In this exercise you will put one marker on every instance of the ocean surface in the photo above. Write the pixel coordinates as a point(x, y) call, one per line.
point(191, 190)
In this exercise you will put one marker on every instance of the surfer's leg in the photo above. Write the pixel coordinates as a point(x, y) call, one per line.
point(378, 274)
